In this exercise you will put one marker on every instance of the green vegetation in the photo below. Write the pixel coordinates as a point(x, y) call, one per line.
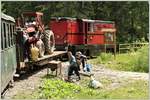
point(131, 18)
point(54, 88)
point(129, 91)
point(142, 63)
point(138, 90)
point(132, 61)
point(58, 89)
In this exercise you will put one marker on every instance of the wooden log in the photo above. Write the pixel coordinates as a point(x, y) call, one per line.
point(86, 74)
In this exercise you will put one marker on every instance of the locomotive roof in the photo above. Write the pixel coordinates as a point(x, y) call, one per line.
point(66, 18)
point(99, 21)
point(88, 20)
point(85, 20)
point(6, 17)
point(102, 21)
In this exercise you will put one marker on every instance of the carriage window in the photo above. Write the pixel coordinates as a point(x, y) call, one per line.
point(5, 40)
point(2, 32)
point(8, 32)
point(11, 35)
point(13, 30)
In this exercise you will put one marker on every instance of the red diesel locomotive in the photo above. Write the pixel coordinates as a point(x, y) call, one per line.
point(88, 36)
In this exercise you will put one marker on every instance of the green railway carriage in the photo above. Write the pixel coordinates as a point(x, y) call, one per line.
point(8, 50)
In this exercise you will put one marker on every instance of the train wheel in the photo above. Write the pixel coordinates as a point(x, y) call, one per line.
point(49, 41)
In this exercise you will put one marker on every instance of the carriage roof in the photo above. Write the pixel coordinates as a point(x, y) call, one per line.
point(6, 17)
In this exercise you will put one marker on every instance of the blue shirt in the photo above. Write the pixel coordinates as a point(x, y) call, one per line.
point(73, 61)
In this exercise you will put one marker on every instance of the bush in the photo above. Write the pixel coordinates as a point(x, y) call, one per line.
point(56, 88)
point(106, 57)
point(102, 58)
point(142, 63)
point(133, 61)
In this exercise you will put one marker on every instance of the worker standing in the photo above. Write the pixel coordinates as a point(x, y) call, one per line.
point(73, 66)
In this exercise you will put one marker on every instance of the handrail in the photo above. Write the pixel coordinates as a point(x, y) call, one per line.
point(129, 46)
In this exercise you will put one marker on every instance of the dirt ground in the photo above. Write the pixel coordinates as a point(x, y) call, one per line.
point(117, 78)
point(31, 82)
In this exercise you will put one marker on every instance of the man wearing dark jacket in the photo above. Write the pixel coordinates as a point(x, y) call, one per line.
point(73, 66)
point(82, 58)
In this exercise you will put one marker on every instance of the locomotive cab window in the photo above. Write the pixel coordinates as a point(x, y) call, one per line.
point(109, 37)
point(90, 27)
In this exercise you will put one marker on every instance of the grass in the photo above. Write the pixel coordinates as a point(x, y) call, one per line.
point(130, 91)
point(54, 88)
point(132, 61)
point(28, 94)
point(105, 81)
point(136, 90)
point(63, 90)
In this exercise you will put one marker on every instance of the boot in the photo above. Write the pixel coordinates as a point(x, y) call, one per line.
point(79, 78)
